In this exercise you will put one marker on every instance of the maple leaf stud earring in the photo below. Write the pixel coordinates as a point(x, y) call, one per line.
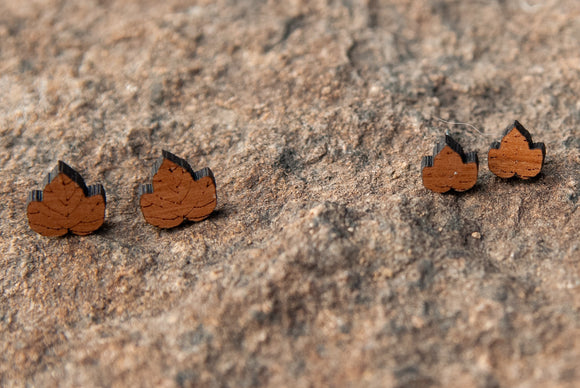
point(449, 168)
point(516, 154)
point(178, 193)
point(66, 204)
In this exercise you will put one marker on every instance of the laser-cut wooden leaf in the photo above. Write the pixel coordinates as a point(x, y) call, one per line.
point(516, 154)
point(449, 168)
point(66, 204)
point(177, 193)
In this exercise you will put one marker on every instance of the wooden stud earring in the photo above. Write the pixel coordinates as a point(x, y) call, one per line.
point(449, 168)
point(177, 193)
point(516, 154)
point(66, 204)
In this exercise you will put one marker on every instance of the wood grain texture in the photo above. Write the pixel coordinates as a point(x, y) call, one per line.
point(177, 193)
point(516, 154)
point(66, 204)
point(449, 168)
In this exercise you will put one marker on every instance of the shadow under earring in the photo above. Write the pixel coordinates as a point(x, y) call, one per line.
point(516, 154)
point(66, 204)
point(449, 168)
point(178, 193)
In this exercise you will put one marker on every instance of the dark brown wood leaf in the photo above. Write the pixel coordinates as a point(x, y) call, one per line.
point(66, 204)
point(449, 168)
point(177, 193)
point(516, 154)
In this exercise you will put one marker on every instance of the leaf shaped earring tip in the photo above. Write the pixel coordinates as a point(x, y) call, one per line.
point(66, 204)
point(449, 168)
point(516, 154)
point(177, 193)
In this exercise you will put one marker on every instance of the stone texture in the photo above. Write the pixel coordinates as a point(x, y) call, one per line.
point(326, 262)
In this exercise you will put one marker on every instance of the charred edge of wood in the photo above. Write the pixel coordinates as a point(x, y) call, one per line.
point(426, 161)
point(145, 189)
point(206, 171)
point(542, 147)
point(97, 189)
point(34, 196)
point(471, 157)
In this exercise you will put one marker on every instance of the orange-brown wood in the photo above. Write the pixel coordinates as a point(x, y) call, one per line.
point(449, 168)
point(516, 154)
point(177, 193)
point(66, 205)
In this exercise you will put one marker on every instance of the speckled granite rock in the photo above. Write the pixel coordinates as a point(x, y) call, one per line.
point(326, 263)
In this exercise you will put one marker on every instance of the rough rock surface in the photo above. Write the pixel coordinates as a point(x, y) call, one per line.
point(326, 262)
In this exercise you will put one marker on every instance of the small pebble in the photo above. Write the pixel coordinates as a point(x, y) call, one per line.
point(476, 235)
